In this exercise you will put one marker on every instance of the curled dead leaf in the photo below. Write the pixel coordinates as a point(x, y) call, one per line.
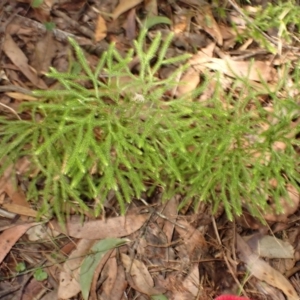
point(289, 205)
point(189, 82)
point(17, 56)
point(191, 78)
point(258, 70)
point(123, 6)
point(138, 276)
point(101, 29)
point(206, 20)
point(193, 239)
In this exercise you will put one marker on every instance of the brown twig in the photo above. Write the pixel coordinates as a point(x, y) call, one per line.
point(14, 88)
point(225, 258)
point(85, 31)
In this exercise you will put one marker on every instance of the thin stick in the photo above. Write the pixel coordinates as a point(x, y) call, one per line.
point(11, 110)
point(225, 258)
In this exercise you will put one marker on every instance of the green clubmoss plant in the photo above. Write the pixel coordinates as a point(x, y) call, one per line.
point(106, 129)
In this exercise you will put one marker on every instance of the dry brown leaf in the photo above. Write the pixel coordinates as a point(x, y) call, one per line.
point(202, 56)
point(71, 5)
point(32, 290)
point(138, 276)
point(188, 82)
point(49, 296)
point(10, 236)
point(123, 6)
point(193, 239)
point(289, 206)
point(21, 166)
point(111, 275)
point(256, 70)
point(191, 78)
point(18, 203)
point(190, 284)
point(237, 19)
point(20, 209)
point(101, 264)
point(246, 44)
point(101, 29)
point(41, 232)
point(181, 21)
point(206, 20)
point(44, 53)
point(19, 96)
point(15, 193)
point(130, 25)
point(267, 291)
point(171, 213)
point(42, 12)
point(15, 27)
point(263, 271)
point(120, 284)
point(69, 278)
point(269, 246)
point(151, 7)
point(100, 229)
point(16, 55)
point(227, 32)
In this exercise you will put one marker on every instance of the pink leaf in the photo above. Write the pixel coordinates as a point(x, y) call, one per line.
point(231, 297)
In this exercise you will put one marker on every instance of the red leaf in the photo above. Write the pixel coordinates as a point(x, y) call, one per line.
point(231, 297)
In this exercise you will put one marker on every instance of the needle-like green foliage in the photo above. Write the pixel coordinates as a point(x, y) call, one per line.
point(107, 129)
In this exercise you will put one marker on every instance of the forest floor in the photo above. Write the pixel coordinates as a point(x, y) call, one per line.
point(153, 251)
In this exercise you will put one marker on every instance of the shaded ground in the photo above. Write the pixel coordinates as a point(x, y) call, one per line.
point(182, 255)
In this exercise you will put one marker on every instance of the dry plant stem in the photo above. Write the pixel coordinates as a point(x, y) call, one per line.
point(234, 241)
point(225, 258)
point(245, 56)
point(164, 245)
point(161, 215)
point(11, 110)
point(133, 251)
point(14, 88)
point(60, 35)
point(6, 214)
point(87, 32)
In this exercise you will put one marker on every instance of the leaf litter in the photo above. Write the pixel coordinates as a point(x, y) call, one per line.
point(167, 254)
